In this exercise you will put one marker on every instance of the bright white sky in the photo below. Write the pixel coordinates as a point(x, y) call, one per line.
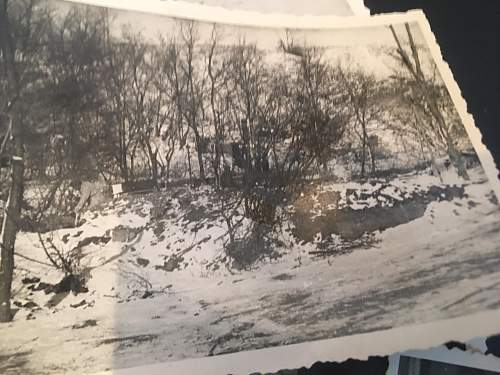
point(265, 38)
point(355, 46)
point(152, 25)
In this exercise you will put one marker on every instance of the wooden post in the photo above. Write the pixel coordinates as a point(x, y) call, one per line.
point(13, 208)
point(10, 226)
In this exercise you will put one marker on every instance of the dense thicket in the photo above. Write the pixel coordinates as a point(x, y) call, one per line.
point(125, 107)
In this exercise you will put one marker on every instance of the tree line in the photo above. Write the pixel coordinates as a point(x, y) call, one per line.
point(121, 106)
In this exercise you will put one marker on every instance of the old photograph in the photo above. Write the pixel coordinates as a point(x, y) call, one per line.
point(419, 366)
point(176, 189)
point(441, 360)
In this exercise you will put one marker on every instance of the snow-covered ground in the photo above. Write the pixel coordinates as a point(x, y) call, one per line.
point(167, 291)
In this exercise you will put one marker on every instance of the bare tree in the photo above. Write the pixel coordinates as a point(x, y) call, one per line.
point(431, 104)
point(287, 118)
point(161, 113)
point(146, 101)
point(170, 81)
point(216, 69)
point(364, 90)
point(191, 87)
point(321, 105)
point(120, 115)
point(247, 72)
point(73, 89)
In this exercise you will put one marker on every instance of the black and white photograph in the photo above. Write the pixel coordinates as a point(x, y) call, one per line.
point(175, 189)
point(441, 360)
point(419, 366)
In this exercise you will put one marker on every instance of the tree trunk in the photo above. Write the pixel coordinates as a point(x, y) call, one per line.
point(168, 160)
point(456, 158)
point(153, 162)
point(217, 159)
point(372, 158)
point(124, 168)
point(167, 173)
point(131, 170)
point(154, 169)
point(199, 152)
point(10, 227)
point(13, 207)
point(363, 152)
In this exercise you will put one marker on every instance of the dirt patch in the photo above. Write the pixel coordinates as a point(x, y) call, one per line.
point(123, 233)
point(335, 247)
point(294, 298)
point(159, 229)
point(143, 262)
point(493, 198)
point(195, 214)
point(329, 198)
point(283, 277)
point(128, 341)
point(96, 240)
point(171, 264)
point(30, 280)
point(351, 224)
point(71, 283)
point(85, 324)
point(204, 211)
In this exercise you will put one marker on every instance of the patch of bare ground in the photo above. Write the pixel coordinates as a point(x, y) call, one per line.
point(351, 224)
point(128, 341)
point(283, 277)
